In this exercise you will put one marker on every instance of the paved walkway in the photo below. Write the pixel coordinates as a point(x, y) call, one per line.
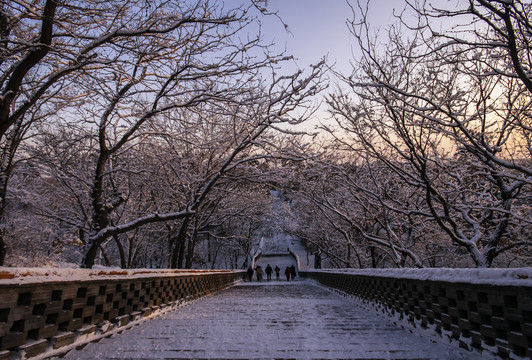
point(273, 320)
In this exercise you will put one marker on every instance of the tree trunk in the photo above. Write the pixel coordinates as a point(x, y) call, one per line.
point(192, 245)
point(209, 248)
point(39, 50)
point(90, 256)
point(123, 263)
point(179, 245)
point(3, 248)
point(373, 257)
point(215, 256)
point(5, 173)
point(132, 252)
point(105, 258)
point(181, 254)
point(348, 260)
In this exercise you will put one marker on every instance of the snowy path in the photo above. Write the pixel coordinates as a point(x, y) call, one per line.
point(277, 319)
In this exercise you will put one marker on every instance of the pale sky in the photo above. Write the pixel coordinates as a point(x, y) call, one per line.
point(318, 28)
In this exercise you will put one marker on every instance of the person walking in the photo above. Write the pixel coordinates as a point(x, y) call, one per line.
point(259, 272)
point(277, 272)
point(293, 272)
point(269, 271)
point(250, 273)
point(287, 273)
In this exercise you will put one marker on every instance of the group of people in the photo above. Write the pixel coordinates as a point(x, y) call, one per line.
point(290, 272)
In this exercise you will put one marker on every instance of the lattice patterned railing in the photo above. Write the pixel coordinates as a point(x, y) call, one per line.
point(492, 318)
point(40, 318)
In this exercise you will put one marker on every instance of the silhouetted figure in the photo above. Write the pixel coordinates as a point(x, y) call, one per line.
point(259, 272)
point(277, 272)
point(269, 271)
point(293, 272)
point(287, 273)
point(250, 273)
point(317, 260)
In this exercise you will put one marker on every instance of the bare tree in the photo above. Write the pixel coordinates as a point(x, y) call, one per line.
point(420, 103)
point(46, 45)
point(490, 41)
point(358, 208)
point(183, 63)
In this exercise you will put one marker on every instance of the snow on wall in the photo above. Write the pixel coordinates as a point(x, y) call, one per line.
point(23, 275)
point(495, 276)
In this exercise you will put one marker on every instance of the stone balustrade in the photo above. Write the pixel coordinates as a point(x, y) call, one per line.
point(41, 318)
point(49, 317)
point(493, 319)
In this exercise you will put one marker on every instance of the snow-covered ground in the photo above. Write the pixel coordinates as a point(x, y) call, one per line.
point(267, 320)
point(517, 276)
point(277, 250)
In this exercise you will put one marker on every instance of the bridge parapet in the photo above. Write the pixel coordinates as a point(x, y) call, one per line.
point(492, 318)
point(44, 318)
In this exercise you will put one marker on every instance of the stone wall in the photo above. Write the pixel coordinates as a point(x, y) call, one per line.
point(491, 318)
point(37, 319)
